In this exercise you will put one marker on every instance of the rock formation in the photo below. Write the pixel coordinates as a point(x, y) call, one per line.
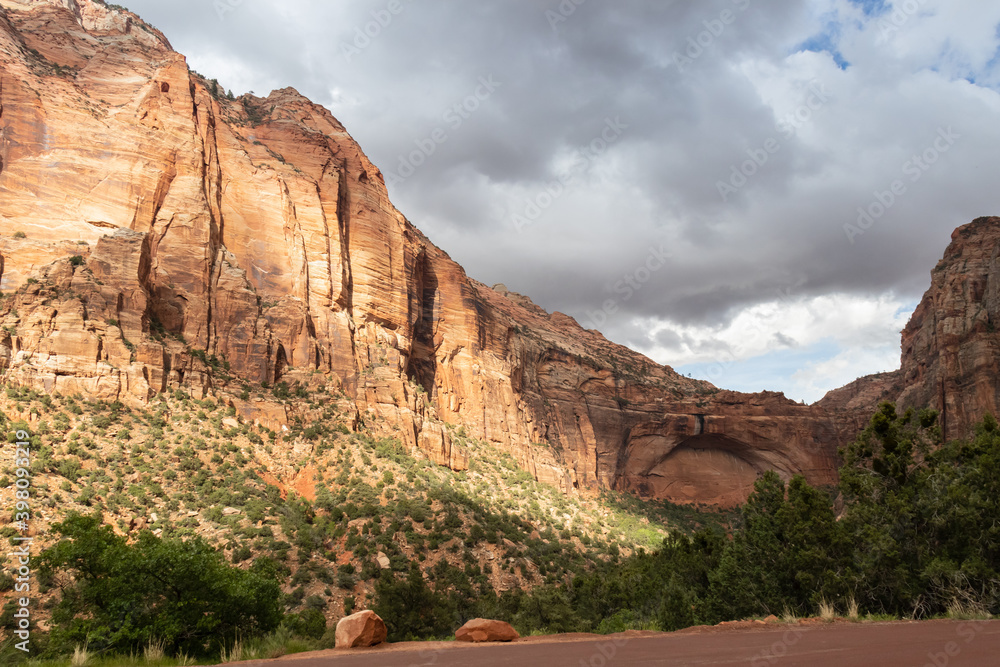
point(153, 231)
point(480, 630)
point(360, 630)
point(950, 358)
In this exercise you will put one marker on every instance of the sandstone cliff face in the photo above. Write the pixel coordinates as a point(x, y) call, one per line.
point(163, 224)
point(950, 357)
point(950, 348)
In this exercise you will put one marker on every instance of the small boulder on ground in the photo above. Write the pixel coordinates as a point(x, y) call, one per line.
point(486, 630)
point(360, 630)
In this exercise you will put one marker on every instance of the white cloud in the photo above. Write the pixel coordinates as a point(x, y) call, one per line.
point(852, 322)
point(816, 378)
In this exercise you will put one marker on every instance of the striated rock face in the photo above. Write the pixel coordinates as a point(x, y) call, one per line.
point(950, 348)
point(164, 225)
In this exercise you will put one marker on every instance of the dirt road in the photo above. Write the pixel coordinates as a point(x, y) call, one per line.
point(909, 644)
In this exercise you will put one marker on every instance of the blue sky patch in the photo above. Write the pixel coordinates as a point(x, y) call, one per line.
point(772, 371)
point(824, 43)
point(871, 7)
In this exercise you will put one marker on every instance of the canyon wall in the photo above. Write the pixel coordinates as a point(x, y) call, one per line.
point(153, 232)
point(950, 357)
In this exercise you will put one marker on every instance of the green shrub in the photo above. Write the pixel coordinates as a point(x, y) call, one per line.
point(117, 600)
point(346, 581)
point(309, 623)
point(416, 611)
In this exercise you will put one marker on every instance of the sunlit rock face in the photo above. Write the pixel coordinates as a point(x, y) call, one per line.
point(144, 216)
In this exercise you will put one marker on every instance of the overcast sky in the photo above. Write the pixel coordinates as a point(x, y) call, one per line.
point(684, 176)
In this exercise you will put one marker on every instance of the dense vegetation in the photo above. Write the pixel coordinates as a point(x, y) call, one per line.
point(189, 470)
point(914, 533)
point(919, 536)
point(182, 594)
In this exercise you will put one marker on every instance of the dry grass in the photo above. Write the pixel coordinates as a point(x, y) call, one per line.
point(235, 654)
point(853, 612)
point(788, 617)
point(967, 609)
point(81, 657)
point(153, 651)
point(827, 611)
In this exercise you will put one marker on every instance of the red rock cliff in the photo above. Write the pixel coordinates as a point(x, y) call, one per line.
point(148, 223)
point(950, 358)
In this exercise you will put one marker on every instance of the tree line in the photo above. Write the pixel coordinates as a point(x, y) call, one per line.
point(913, 530)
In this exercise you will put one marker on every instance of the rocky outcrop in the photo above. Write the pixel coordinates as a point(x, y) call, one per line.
point(950, 347)
point(864, 393)
point(169, 231)
point(713, 451)
point(480, 630)
point(950, 357)
point(360, 630)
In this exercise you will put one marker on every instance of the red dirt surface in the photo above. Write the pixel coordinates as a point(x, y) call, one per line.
point(815, 643)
